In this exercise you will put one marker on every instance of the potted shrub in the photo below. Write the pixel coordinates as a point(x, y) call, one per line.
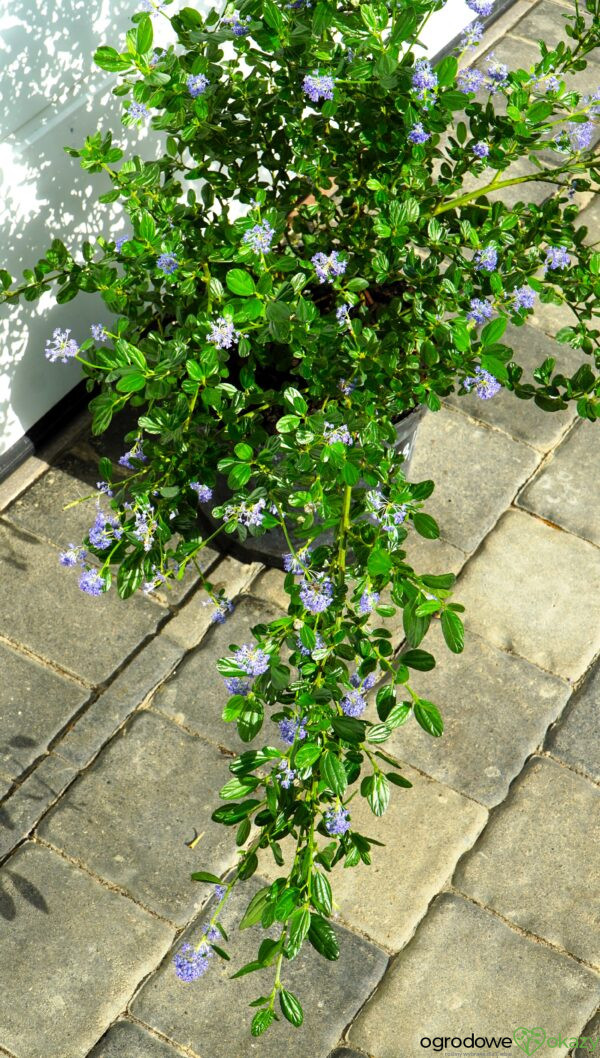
point(313, 259)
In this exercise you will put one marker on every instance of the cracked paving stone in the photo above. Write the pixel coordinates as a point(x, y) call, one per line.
point(42, 607)
point(563, 491)
point(522, 419)
point(465, 971)
point(76, 953)
point(35, 704)
point(129, 816)
point(548, 830)
point(212, 1017)
point(534, 590)
point(470, 492)
point(575, 738)
point(196, 695)
point(496, 710)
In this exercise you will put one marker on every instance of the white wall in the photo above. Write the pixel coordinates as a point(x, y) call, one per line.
point(52, 96)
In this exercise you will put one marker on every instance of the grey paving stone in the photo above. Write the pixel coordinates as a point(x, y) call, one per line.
point(564, 491)
point(425, 830)
point(131, 687)
point(590, 217)
point(526, 590)
point(128, 1040)
point(35, 704)
point(547, 831)
point(76, 953)
point(195, 695)
point(465, 971)
point(477, 472)
point(496, 709)
point(589, 1039)
point(40, 509)
point(128, 818)
point(213, 1018)
point(522, 419)
point(575, 737)
point(547, 22)
point(28, 802)
point(42, 607)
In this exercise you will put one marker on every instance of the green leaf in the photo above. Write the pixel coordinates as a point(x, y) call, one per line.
point(418, 659)
point(378, 733)
point(205, 876)
point(287, 423)
point(385, 702)
point(272, 15)
point(296, 400)
point(278, 311)
point(453, 630)
point(291, 1007)
point(323, 938)
point(321, 893)
point(131, 382)
point(129, 579)
point(109, 59)
point(240, 282)
point(256, 907)
point(144, 35)
point(349, 728)
point(426, 525)
point(298, 927)
point(243, 451)
point(446, 70)
point(493, 331)
point(428, 716)
point(398, 780)
point(238, 788)
point(379, 563)
point(307, 755)
point(239, 475)
point(287, 903)
point(399, 714)
point(333, 772)
point(539, 111)
point(376, 789)
point(261, 1021)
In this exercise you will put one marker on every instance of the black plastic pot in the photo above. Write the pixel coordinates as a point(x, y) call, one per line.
point(272, 545)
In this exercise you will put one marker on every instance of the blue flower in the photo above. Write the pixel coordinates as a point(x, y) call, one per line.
point(485, 385)
point(91, 582)
point(138, 111)
point(73, 555)
point(497, 73)
point(104, 531)
point(61, 347)
point(472, 37)
point(290, 730)
point(337, 821)
point(223, 607)
point(486, 259)
point(238, 28)
point(470, 80)
point(368, 601)
point(556, 257)
point(329, 266)
point(481, 7)
point(480, 310)
point(135, 452)
point(523, 298)
point(286, 774)
point(120, 241)
point(341, 315)
point(319, 644)
point(197, 84)
point(317, 594)
point(424, 80)
point(98, 332)
point(245, 513)
point(223, 333)
point(204, 492)
point(480, 149)
point(252, 660)
point(354, 704)
point(167, 263)
point(236, 685)
point(295, 563)
point(191, 963)
point(145, 526)
point(337, 434)
point(318, 86)
point(259, 237)
point(418, 134)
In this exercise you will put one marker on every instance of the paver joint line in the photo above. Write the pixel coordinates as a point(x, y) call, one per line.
point(528, 934)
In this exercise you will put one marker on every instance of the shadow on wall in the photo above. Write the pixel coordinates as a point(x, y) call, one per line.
point(51, 96)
